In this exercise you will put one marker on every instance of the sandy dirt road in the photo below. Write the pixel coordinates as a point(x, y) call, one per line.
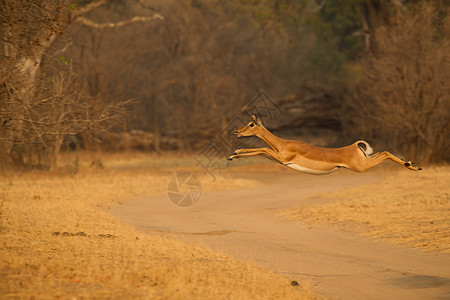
point(337, 265)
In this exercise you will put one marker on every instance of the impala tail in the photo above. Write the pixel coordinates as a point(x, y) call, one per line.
point(368, 150)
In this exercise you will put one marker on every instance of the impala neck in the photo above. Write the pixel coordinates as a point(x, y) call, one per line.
point(270, 139)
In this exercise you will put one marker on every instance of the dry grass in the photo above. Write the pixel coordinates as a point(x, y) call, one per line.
point(58, 241)
point(411, 208)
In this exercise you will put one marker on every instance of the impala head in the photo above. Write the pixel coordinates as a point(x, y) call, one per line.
point(252, 128)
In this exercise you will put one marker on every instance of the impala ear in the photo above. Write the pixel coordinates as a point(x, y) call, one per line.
point(256, 119)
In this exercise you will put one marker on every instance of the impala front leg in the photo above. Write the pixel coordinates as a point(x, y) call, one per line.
point(255, 151)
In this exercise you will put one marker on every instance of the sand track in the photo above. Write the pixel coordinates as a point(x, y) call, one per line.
point(336, 264)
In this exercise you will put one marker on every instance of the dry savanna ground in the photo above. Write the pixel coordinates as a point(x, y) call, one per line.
point(409, 208)
point(57, 239)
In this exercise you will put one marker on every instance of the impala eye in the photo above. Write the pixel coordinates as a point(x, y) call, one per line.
point(251, 124)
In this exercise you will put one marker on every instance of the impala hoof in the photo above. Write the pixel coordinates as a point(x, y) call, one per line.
point(229, 158)
point(410, 166)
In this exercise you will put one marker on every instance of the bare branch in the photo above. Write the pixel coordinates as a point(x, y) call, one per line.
point(87, 8)
point(135, 19)
point(321, 5)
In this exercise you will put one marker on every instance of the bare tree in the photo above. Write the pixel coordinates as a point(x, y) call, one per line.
point(39, 107)
point(38, 126)
point(404, 95)
point(193, 73)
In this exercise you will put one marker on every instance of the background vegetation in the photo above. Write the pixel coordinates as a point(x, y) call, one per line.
point(170, 75)
point(341, 70)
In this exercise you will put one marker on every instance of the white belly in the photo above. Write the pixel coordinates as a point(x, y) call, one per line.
point(308, 170)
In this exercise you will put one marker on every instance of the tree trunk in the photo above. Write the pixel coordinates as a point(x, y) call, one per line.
point(53, 153)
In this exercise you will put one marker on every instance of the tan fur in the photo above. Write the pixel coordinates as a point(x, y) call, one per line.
point(311, 159)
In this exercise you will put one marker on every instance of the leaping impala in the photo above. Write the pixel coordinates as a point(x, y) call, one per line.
point(307, 158)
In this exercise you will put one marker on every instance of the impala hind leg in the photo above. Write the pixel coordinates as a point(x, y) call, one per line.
point(369, 162)
point(255, 151)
